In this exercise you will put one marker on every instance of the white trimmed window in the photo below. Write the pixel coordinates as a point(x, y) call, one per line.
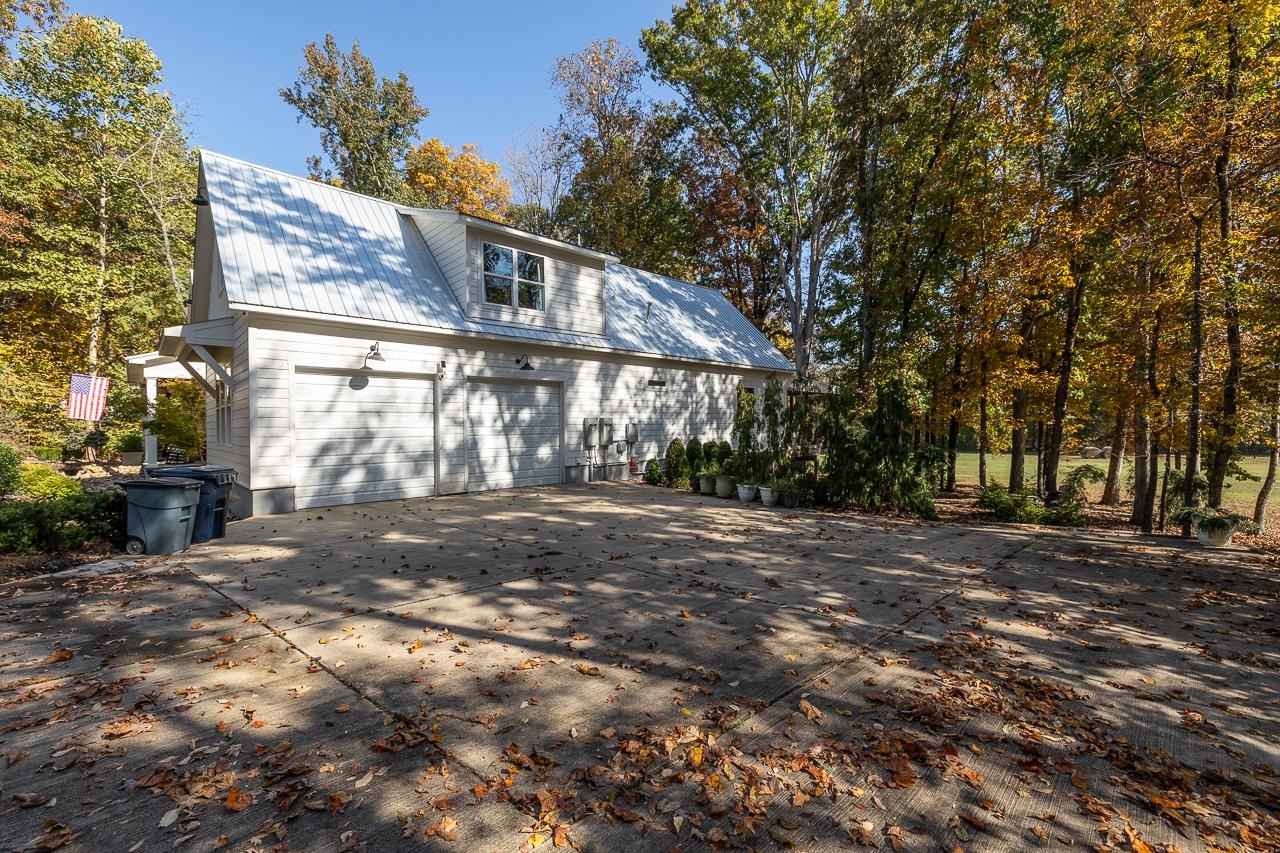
point(514, 279)
point(222, 413)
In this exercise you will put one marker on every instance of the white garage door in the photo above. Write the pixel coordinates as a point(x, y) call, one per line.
point(513, 435)
point(362, 437)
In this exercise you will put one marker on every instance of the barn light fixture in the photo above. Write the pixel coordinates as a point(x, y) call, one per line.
point(523, 361)
point(373, 353)
point(201, 200)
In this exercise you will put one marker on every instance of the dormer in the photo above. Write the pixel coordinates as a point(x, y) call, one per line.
point(505, 275)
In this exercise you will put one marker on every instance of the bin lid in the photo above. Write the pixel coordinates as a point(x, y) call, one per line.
point(160, 483)
point(221, 475)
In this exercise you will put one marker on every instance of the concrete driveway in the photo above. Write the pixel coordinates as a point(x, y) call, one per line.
point(617, 667)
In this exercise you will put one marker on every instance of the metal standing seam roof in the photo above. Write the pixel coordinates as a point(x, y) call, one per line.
point(290, 243)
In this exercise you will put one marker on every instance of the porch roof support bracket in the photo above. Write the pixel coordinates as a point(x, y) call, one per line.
point(217, 368)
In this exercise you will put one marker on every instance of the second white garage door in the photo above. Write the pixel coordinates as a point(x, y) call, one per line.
point(513, 435)
point(362, 437)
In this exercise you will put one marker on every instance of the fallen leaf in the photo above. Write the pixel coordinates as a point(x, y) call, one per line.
point(807, 708)
point(446, 829)
point(59, 655)
point(342, 709)
point(169, 817)
point(237, 800)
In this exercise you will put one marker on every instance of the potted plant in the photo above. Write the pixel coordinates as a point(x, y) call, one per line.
point(769, 493)
point(130, 447)
point(746, 492)
point(788, 490)
point(707, 478)
point(725, 480)
point(1213, 529)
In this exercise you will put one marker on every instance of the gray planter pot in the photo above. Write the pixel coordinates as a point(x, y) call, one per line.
point(1215, 537)
point(130, 457)
point(746, 492)
point(724, 486)
point(791, 500)
point(707, 484)
point(768, 496)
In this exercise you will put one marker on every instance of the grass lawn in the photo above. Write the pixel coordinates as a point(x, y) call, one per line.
point(1239, 497)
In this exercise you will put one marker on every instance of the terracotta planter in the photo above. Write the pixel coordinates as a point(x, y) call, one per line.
point(724, 486)
point(746, 492)
point(707, 484)
point(768, 496)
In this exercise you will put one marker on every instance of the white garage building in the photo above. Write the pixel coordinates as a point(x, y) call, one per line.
point(356, 350)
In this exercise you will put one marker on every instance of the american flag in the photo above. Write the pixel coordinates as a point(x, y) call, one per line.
point(88, 397)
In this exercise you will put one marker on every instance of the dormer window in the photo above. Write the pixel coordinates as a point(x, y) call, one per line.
point(513, 278)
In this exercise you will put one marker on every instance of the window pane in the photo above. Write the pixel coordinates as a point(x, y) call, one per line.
point(497, 290)
point(497, 260)
point(531, 296)
point(530, 267)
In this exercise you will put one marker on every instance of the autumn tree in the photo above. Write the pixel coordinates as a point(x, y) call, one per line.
point(758, 80)
point(367, 123)
point(95, 214)
point(438, 176)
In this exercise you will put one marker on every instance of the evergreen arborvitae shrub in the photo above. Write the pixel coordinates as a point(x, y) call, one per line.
point(677, 463)
point(693, 454)
point(653, 473)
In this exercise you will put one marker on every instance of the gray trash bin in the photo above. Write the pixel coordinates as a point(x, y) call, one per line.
point(161, 515)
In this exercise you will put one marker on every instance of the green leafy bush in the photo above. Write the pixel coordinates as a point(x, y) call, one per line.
point(10, 470)
point(1010, 506)
point(724, 450)
point(129, 442)
point(48, 454)
point(653, 473)
point(693, 456)
point(1075, 484)
point(41, 481)
point(60, 524)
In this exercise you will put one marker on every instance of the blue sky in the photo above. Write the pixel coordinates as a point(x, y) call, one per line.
point(482, 68)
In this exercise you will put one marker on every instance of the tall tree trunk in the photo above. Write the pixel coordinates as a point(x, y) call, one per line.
point(1146, 518)
point(1018, 442)
point(953, 423)
point(1111, 491)
point(1040, 457)
point(984, 440)
point(1164, 489)
point(1269, 481)
point(1141, 454)
point(1197, 354)
point(1079, 275)
point(100, 290)
point(1225, 444)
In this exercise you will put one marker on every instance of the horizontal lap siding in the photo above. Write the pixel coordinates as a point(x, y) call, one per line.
point(574, 291)
point(236, 454)
point(694, 402)
point(448, 244)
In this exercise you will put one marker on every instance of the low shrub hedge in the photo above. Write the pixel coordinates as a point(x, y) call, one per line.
point(61, 523)
point(41, 481)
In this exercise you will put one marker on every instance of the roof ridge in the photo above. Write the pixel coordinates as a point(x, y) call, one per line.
point(261, 168)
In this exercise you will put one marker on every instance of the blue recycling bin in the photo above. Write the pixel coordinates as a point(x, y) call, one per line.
point(215, 493)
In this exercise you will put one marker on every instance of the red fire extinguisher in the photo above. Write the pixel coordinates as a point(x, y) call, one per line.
point(635, 465)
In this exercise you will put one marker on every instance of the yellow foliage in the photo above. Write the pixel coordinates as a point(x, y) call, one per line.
point(439, 176)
